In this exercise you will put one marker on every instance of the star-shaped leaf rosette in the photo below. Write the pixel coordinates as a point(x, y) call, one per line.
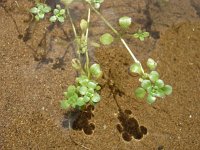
point(151, 84)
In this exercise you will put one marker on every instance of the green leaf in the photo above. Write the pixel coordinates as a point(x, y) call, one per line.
point(34, 10)
point(125, 22)
point(80, 101)
point(96, 98)
point(86, 99)
point(83, 90)
point(167, 89)
point(61, 19)
point(83, 25)
point(106, 39)
point(95, 70)
point(136, 68)
point(151, 64)
point(145, 84)
point(71, 90)
point(140, 92)
point(62, 12)
point(64, 104)
point(98, 88)
point(47, 9)
point(53, 19)
point(141, 38)
point(145, 34)
point(160, 93)
point(91, 85)
point(159, 83)
point(136, 35)
point(151, 99)
point(153, 76)
point(67, 2)
point(41, 15)
point(55, 11)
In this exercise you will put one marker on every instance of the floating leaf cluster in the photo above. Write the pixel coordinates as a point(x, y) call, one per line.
point(141, 35)
point(40, 10)
point(151, 84)
point(85, 92)
point(59, 14)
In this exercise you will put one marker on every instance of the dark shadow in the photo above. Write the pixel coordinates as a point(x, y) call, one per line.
point(79, 120)
point(129, 126)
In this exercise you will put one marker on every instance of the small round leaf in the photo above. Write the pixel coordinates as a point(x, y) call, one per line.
point(136, 68)
point(106, 39)
point(159, 83)
point(53, 19)
point(96, 98)
point(151, 64)
point(151, 99)
point(64, 104)
point(95, 70)
point(146, 83)
point(167, 89)
point(83, 90)
point(140, 92)
point(154, 76)
point(125, 22)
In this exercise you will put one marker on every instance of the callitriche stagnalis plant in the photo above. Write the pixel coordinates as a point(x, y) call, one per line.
point(58, 15)
point(81, 94)
point(40, 10)
point(85, 91)
point(141, 35)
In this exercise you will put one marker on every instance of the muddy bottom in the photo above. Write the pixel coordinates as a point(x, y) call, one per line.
point(36, 69)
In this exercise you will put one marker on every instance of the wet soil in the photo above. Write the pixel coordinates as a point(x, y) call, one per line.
point(35, 70)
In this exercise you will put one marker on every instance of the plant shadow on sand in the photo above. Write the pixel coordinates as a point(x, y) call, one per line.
point(79, 120)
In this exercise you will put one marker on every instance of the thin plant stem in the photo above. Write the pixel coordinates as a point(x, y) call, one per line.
point(86, 39)
point(117, 33)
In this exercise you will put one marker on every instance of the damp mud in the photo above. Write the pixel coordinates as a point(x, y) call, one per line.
point(35, 70)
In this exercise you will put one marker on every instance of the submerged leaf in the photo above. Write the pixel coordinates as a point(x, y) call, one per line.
point(95, 70)
point(136, 68)
point(125, 22)
point(140, 92)
point(106, 39)
point(151, 64)
point(167, 89)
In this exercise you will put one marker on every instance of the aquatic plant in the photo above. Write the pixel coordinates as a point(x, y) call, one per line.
point(141, 35)
point(150, 83)
point(59, 14)
point(40, 10)
point(85, 90)
point(125, 22)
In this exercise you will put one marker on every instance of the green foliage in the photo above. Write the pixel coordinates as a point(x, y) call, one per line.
point(59, 14)
point(141, 35)
point(151, 85)
point(106, 39)
point(95, 70)
point(67, 2)
point(40, 10)
point(95, 3)
point(83, 93)
point(125, 22)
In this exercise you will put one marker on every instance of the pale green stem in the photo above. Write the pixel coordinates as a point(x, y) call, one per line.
point(74, 30)
point(117, 33)
point(86, 38)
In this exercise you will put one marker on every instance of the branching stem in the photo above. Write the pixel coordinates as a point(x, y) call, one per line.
point(117, 33)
